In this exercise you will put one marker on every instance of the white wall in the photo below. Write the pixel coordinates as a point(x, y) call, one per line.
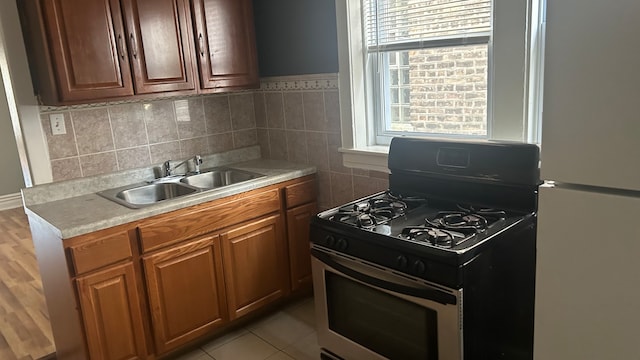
point(11, 180)
point(22, 105)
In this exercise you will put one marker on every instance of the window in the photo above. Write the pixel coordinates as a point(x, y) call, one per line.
point(435, 68)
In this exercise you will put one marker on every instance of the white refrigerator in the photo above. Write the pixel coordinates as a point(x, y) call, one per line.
point(588, 245)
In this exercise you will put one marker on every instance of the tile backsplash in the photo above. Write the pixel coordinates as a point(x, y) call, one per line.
point(295, 118)
point(105, 139)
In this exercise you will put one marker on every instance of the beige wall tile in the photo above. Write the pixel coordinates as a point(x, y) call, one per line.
point(359, 172)
point(293, 113)
point(278, 144)
point(97, 164)
point(165, 151)
point(260, 109)
point(193, 147)
point(341, 189)
point(275, 110)
point(317, 147)
point(220, 142)
point(133, 158)
point(60, 146)
point(245, 138)
point(263, 141)
point(364, 186)
point(332, 111)
point(93, 131)
point(379, 175)
point(127, 122)
point(159, 117)
point(324, 189)
point(314, 111)
point(297, 146)
point(243, 114)
point(190, 118)
point(217, 114)
point(66, 169)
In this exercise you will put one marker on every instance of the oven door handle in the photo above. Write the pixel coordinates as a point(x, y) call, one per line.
point(429, 294)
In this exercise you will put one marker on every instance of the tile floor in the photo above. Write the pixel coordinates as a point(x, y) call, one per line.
point(288, 334)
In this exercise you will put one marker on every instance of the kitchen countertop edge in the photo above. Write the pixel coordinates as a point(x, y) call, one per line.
point(88, 213)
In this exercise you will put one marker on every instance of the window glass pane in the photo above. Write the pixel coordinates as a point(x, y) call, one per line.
point(445, 91)
point(405, 76)
point(395, 97)
point(392, 21)
point(394, 76)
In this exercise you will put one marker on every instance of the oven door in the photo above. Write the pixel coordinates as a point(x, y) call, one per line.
point(367, 312)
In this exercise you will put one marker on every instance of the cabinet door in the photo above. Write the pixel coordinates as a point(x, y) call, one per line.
point(112, 315)
point(225, 39)
point(161, 47)
point(87, 46)
point(186, 291)
point(298, 234)
point(255, 265)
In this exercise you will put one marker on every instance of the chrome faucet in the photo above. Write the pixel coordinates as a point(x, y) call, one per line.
point(197, 161)
point(168, 170)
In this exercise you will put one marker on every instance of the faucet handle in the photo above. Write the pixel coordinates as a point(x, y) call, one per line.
point(167, 168)
point(197, 161)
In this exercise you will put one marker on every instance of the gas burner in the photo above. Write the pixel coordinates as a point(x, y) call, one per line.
point(432, 235)
point(371, 212)
point(467, 219)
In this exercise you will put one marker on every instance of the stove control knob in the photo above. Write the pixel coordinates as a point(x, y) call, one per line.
point(342, 244)
point(419, 267)
point(330, 240)
point(402, 261)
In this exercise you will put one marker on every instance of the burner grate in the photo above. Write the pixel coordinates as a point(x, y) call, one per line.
point(369, 213)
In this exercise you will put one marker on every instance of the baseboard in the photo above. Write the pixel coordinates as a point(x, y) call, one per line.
point(10, 201)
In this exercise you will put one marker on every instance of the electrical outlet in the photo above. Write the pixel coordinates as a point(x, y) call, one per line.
point(57, 124)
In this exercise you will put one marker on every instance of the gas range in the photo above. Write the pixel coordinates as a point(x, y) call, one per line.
point(454, 235)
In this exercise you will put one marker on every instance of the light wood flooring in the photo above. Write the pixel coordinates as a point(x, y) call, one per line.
point(25, 332)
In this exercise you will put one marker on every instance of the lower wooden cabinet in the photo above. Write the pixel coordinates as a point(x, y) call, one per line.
point(186, 291)
point(149, 288)
point(255, 265)
point(112, 315)
point(298, 220)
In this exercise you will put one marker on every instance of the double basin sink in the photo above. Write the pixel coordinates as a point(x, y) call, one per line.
point(171, 187)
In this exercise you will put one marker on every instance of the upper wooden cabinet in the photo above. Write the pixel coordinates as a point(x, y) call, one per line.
point(160, 45)
point(85, 42)
point(89, 50)
point(225, 38)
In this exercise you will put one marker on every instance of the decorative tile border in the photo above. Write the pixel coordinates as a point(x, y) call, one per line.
point(300, 82)
point(279, 83)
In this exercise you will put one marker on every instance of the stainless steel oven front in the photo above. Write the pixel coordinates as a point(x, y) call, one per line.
point(365, 311)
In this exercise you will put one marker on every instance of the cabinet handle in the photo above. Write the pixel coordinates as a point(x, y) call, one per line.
point(134, 47)
point(120, 47)
point(201, 44)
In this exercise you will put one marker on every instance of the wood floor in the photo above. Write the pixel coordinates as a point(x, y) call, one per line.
point(25, 333)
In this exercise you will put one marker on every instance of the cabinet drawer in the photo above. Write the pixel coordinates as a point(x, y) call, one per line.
point(301, 193)
point(184, 225)
point(95, 254)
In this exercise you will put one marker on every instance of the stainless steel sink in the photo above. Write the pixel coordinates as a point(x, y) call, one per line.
point(136, 196)
point(144, 194)
point(218, 177)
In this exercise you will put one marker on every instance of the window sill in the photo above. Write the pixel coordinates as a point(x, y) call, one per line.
point(368, 158)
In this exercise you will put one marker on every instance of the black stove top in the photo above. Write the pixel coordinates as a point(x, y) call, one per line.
point(421, 221)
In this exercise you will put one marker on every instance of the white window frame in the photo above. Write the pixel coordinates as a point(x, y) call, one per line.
point(509, 115)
